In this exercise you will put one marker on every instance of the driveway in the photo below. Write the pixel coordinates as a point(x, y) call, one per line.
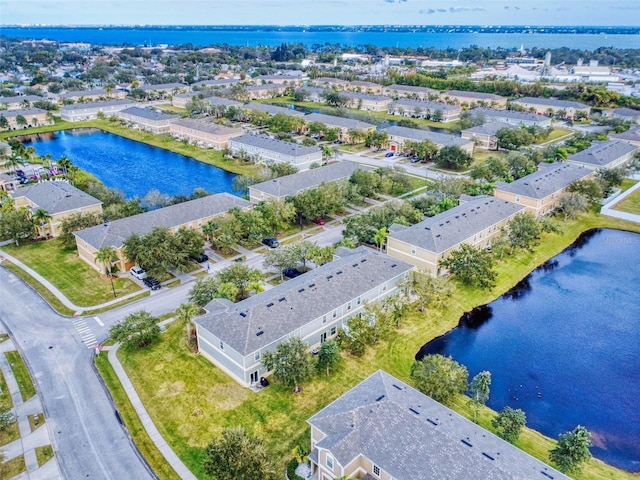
point(87, 438)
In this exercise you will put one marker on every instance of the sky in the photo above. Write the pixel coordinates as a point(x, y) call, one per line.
point(321, 12)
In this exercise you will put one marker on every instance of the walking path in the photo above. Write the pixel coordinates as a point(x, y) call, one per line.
point(28, 442)
point(609, 208)
point(164, 448)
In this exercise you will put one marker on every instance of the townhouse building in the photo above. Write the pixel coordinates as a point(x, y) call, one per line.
point(437, 111)
point(552, 107)
point(264, 149)
point(606, 154)
point(148, 119)
point(204, 134)
point(399, 136)
point(474, 99)
point(78, 112)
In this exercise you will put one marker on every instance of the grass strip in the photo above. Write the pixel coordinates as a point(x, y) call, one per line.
point(131, 420)
point(44, 454)
point(12, 468)
point(12, 432)
point(21, 373)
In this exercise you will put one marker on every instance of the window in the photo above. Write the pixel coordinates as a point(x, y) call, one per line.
point(413, 250)
point(335, 313)
point(330, 462)
point(349, 306)
point(376, 470)
point(221, 345)
point(257, 356)
point(518, 198)
point(333, 330)
point(324, 319)
point(359, 300)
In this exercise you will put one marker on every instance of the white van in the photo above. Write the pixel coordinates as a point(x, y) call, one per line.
point(137, 272)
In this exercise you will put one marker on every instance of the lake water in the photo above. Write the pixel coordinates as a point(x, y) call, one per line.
point(133, 167)
point(564, 345)
point(204, 37)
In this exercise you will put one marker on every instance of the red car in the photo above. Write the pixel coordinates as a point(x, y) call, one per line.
point(319, 221)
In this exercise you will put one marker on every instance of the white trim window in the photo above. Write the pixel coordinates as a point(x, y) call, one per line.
point(329, 462)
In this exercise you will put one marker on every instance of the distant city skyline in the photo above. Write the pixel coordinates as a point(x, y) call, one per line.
point(321, 12)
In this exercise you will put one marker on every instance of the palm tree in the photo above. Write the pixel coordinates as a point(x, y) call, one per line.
point(380, 236)
point(40, 218)
point(107, 255)
point(185, 313)
point(64, 163)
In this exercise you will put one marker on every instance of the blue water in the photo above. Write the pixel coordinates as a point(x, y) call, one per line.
point(564, 345)
point(133, 167)
point(176, 36)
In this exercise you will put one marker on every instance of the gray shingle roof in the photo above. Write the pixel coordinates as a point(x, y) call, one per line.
point(490, 128)
point(490, 113)
point(292, 184)
point(56, 196)
point(440, 139)
point(223, 82)
point(366, 96)
point(273, 109)
point(425, 105)
point(601, 154)
point(413, 437)
point(273, 144)
point(552, 102)
point(291, 305)
point(207, 127)
point(25, 112)
point(114, 233)
point(549, 179)
point(448, 229)
point(149, 113)
point(227, 102)
point(84, 93)
point(412, 89)
point(333, 121)
point(163, 86)
point(99, 104)
point(20, 99)
point(631, 135)
point(474, 95)
point(629, 113)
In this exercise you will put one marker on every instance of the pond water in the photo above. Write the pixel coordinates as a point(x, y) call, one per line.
point(564, 345)
point(133, 167)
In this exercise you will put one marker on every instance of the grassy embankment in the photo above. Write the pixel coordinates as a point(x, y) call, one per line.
point(190, 400)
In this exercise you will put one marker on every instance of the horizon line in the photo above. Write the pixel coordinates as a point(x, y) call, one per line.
point(31, 25)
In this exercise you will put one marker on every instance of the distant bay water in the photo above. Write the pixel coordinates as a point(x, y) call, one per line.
point(205, 37)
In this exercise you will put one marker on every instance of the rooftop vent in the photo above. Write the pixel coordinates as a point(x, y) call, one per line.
point(312, 285)
point(270, 304)
point(301, 290)
point(363, 260)
point(242, 314)
point(379, 398)
point(394, 265)
point(414, 411)
point(354, 265)
point(468, 444)
point(488, 456)
point(329, 277)
point(282, 299)
point(259, 332)
point(339, 272)
point(396, 386)
point(546, 474)
point(432, 422)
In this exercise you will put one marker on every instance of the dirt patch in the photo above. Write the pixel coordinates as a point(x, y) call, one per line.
point(227, 396)
point(168, 389)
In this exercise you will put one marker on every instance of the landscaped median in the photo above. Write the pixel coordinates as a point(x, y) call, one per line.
point(191, 401)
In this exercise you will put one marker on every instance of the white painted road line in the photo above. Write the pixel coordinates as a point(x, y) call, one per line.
point(98, 321)
point(85, 332)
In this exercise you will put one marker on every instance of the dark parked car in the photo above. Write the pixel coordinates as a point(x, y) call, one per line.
point(388, 154)
point(203, 257)
point(319, 221)
point(152, 283)
point(20, 173)
point(270, 242)
point(291, 272)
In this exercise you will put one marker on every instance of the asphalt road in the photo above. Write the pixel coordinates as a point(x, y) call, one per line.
point(88, 440)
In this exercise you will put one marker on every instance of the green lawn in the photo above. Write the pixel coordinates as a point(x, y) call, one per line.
point(557, 133)
point(12, 432)
point(13, 468)
point(627, 183)
point(44, 454)
point(20, 372)
point(631, 204)
point(481, 155)
point(32, 421)
point(190, 400)
point(62, 266)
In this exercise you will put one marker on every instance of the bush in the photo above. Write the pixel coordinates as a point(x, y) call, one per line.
point(291, 470)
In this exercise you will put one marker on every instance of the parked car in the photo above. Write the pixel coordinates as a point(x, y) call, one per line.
point(291, 272)
point(388, 154)
point(137, 272)
point(152, 283)
point(319, 221)
point(270, 242)
point(414, 160)
point(20, 173)
point(203, 257)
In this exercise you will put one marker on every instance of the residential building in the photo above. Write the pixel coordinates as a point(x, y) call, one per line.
point(367, 101)
point(265, 149)
point(164, 89)
point(223, 101)
point(541, 191)
point(607, 154)
point(315, 94)
point(436, 111)
point(330, 82)
point(287, 80)
point(18, 102)
point(26, 117)
point(475, 222)
point(290, 185)
point(181, 100)
point(341, 123)
point(148, 119)
point(273, 109)
point(399, 136)
point(8, 183)
point(631, 136)
point(511, 117)
point(78, 112)
point(204, 134)
point(627, 114)
point(59, 199)
point(269, 90)
point(484, 136)
point(91, 95)
point(5, 149)
point(365, 87)
point(385, 429)
point(551, 106)
point(409, 91)
point(220, 83)
point(191, 215)
point(474, 99)
point(312, 307)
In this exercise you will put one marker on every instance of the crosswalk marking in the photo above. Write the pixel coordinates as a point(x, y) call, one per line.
point(98, 321)
point(86, 334)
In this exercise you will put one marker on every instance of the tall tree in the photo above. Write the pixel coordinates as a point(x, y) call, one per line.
point(479, 391)
point(16, 225)
point(452, 157)
point(137, 330)
point(430, 291)
point(185, 313)
point(40, 218)
point(106, 256)
point(439, 377)
point(572, 450)
point(523, 231)
point(235, 455)
point(328, 356)
point(472, 266)
point(280, 258)
point(509, 423)
point(290, 363)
